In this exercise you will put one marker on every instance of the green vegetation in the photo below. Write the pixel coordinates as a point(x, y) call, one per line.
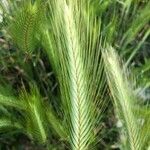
point(74, 74)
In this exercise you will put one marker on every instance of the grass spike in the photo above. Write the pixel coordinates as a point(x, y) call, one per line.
point(124, 99)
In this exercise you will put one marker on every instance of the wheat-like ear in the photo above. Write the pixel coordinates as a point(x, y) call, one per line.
point(122, 90)
point(72, 42)
point(34, 114)
point(39, 117)
point(23, 24)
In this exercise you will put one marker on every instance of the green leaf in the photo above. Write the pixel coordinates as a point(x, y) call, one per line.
point(6, 124)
